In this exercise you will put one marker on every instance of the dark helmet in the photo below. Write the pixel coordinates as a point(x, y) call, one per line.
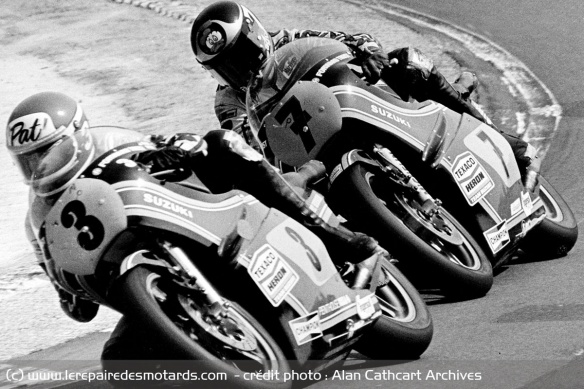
point(230, 42)
point(37, 123)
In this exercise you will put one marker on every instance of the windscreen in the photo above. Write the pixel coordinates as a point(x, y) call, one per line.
point(298, 60)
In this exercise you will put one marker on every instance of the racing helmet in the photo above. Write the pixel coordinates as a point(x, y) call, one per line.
point(230, 42)
point(64, 161)
point(37, 123)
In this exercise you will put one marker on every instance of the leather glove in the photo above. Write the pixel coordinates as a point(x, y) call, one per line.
point(191, 143)
point(173, 152)
point(412, 67)
point(167, 158)
point(372, 66)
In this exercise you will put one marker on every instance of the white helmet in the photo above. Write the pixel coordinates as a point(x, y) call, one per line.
point(37, 123)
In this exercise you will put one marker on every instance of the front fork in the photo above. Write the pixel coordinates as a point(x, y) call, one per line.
point(400, 174)
point(182, 267)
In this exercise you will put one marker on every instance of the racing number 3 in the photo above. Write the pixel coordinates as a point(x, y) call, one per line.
point(297, 120)
point(309, 253)
point(91, 231)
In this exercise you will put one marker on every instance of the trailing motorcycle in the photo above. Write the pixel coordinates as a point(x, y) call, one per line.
point(221, 279)
point(440, 190)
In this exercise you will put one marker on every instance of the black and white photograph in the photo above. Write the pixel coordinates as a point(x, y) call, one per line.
point(291, 194)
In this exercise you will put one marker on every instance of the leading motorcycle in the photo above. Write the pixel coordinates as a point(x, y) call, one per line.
point(440, 190)
point(221, 279)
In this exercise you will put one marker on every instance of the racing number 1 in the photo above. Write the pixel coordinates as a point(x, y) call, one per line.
point(298, 122)
point(485, 138)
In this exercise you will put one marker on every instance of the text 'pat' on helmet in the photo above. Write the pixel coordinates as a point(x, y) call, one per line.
point(230, 42)
point(37, 123)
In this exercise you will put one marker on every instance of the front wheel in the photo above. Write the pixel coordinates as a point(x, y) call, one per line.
point(232, 342)
point(437, 250)
point(404, 330)
point(556, 235)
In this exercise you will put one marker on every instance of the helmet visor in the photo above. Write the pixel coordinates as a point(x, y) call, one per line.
point(242, 59)
point(61, 164)
point(28, 162)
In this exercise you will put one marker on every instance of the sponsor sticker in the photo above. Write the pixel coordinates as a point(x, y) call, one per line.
point(330, 63)
point(289, 66)
point(335, 173)
point(526, 203)
point(498, 236)
point(516, 206)
point(274, 276)
point(365, 307)
point(471, 177)
point(306, 328)
point(337, 303)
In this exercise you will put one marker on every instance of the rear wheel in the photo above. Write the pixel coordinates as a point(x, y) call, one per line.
point(435, 249)
point(557, 233)
point(404, 330)
point(227, 340)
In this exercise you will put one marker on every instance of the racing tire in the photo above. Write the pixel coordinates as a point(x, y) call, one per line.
point(363, 195)
point(404, 330)
point(147, 300)
point(555, 236)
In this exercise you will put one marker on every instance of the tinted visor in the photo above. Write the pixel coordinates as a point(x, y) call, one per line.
point(62, 163)
point(28, 162)
point(239, 62)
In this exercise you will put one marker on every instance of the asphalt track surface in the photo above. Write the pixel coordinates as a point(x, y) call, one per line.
point(528, 331)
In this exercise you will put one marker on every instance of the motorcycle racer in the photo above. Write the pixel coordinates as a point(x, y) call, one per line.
point(231, 43)
point(413, 75)
point(34, 126)
point(221, 159)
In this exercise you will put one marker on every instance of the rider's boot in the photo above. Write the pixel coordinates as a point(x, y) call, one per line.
point(364, 270)
point(76, 308)
point(528, 160)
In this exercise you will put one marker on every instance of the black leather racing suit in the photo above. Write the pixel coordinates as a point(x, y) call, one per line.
point(414, 76)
